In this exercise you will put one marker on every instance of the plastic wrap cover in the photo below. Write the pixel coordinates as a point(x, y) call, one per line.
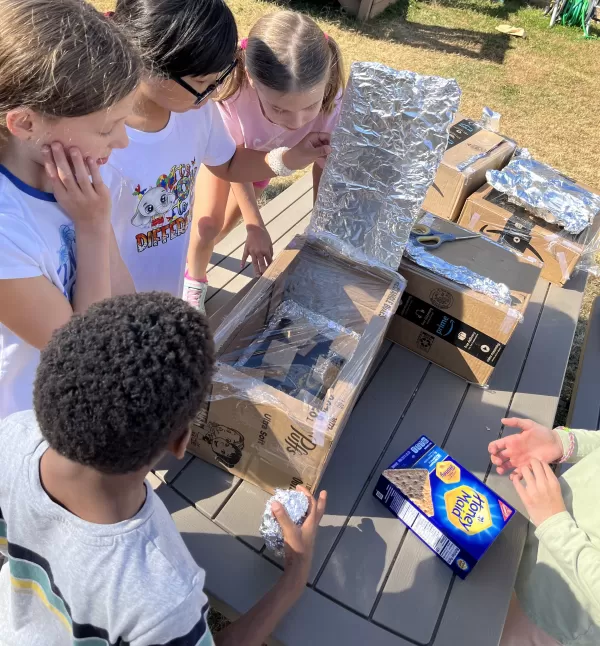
point(391, 137)
point(296, 505)
point(544, 192)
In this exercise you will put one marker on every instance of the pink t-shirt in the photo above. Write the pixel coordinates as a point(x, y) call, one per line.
point(249, 127)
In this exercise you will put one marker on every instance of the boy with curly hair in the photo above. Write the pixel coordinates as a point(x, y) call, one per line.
point(93, 555)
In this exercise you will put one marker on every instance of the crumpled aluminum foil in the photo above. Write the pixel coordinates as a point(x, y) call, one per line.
point(458, 274)
point(296, 505)
point(391, 137)
point(490, 120)
point(544, 192)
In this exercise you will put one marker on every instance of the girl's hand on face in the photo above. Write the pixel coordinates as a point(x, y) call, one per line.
point(314, 146)
point(541, 494)
point(86, 201)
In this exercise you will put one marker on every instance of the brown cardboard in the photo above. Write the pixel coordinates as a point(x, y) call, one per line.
point(454, 327)
point(489, 212)
point(260, 433)
point(452, 186)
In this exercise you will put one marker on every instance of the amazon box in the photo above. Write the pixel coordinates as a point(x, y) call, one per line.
point(490, 213)
point(471, 152)
point(453, 326)
point(292, 357)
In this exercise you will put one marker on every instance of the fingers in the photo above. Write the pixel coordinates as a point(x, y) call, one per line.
point(550, 474)
point(538, 471)
point(244, 256)
point(95, 173)
point(49, 164)
point(497, 445)
point(323, 151)
point(321, 505)
point(82, 173)
point(65, 174)
point(285, 522)
point(519, 488)
point(517, 422)
point(528, 476)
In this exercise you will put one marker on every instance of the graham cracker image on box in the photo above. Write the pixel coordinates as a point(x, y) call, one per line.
point(415, 485)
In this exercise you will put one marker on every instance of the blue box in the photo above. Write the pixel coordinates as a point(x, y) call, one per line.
point(447, 507)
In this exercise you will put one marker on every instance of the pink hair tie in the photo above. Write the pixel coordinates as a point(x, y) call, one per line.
point(109, 14)
point(243, 43)
point(326, 35)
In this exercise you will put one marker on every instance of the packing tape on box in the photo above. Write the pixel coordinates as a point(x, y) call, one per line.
point(564, 266)
point(512, 316)
point(554, 238)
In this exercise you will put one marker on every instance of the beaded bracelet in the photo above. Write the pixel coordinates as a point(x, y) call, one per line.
point(569, 452)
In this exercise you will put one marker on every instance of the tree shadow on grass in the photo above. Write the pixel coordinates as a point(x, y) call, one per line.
point(392, 25)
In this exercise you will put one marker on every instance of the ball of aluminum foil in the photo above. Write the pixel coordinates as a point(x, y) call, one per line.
point(296, 505)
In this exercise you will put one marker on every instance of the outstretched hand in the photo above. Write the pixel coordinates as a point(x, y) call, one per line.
point(300, 540)
point(315, 145)
point(534, 442)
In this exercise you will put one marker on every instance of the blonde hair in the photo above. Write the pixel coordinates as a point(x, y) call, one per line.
point(288, 52)
point(61, 58)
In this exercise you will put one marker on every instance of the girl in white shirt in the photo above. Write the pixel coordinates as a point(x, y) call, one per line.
point(288, 82)
point(66, 85)
point(188, 48)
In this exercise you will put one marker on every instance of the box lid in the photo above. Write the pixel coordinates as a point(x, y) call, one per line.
point(468, 143)
point(391, 137)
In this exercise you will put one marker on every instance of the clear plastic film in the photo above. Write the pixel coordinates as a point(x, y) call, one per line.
point(546, 193)
point(293, 355)
point(391, 137)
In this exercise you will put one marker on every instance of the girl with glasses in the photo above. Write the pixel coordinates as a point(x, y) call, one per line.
point(188, 48)
point(288, 82)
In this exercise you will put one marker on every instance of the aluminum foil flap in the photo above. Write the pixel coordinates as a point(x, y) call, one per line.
point(544, 192)
point(296, 506)
point(499, 292)
point(390, 140)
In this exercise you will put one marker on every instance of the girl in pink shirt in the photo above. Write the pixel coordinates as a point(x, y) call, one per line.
point(288, 83)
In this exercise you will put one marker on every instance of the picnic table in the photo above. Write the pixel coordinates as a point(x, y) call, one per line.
point(372, 582)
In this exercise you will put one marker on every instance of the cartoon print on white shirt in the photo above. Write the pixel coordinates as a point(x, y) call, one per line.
point(68, 260)
point(164, 209)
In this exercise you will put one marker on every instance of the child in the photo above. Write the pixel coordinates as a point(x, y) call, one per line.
point(558, 585)
point(288, 82)
point(93, 555)
point(66, 78)
point(188, 48)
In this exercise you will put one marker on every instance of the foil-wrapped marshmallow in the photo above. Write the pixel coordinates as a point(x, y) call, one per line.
point(296, 505)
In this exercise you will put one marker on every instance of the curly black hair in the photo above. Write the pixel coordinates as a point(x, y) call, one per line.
point(115, 383)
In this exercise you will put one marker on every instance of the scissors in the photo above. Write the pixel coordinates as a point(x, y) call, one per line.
point(432, 239)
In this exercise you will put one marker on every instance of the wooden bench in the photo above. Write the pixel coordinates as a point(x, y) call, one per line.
point(372, 582)
point(584, 410)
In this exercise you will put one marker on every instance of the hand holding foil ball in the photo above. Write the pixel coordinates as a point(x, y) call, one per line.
point(289, 527)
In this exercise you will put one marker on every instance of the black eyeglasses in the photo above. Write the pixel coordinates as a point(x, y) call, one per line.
point(200, 96)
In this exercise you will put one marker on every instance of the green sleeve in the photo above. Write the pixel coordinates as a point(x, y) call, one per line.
point(586, 442)
point(574, 553)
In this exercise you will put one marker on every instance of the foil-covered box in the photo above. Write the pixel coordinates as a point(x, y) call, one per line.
point(295, 352)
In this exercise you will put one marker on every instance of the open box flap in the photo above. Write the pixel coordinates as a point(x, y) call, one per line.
point(390, 140)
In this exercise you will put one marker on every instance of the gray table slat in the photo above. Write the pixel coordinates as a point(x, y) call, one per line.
point(363, 441)
point(584, 411)
point(244, 519)
point(205, 485)
point(169, 466)
point(357, 568)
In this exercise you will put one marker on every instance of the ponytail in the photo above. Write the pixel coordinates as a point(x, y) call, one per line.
point(337, 77)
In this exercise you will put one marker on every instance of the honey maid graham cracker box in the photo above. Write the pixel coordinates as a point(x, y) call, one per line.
point(447, 507)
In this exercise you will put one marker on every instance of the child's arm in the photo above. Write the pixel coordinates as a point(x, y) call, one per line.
point(32, 307)
point(258, 241)
point(586, 442)
point(248, 165)
point(121, 281)
point(253, 628)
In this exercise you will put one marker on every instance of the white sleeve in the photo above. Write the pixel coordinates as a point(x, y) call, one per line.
point(19, 249)
point(221, 145)
point(185, 625)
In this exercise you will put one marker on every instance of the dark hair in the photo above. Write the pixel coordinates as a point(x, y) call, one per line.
point(288, 52)
point(179, 38)
point(116, 383)
point(63, 59)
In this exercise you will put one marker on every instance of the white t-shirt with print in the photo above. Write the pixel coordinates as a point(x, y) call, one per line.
point(161, 168)
point(37, 238)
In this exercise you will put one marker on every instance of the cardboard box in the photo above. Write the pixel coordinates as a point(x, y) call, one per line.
point(456, 179)
point(284, 389)
point(457, 328)
point(447, 507)
point(489, 212)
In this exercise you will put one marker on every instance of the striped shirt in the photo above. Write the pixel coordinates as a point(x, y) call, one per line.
point(69, 582)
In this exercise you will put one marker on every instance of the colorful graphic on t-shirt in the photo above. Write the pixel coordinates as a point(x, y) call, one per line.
point(67, 260)
point(164, 209)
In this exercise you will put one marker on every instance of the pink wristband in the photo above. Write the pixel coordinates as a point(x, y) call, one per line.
point(571, 449)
